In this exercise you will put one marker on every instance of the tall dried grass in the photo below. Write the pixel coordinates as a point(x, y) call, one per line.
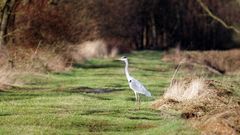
point(185, 90)
point(210, 105)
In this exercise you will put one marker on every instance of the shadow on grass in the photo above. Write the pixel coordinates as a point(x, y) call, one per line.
point(11, 96)
point(95, 96)
point(96, 125)
point(93, 90)
point(101, 112)
point(23, 95)
point(142, 98)
point(90, 64)
point(5, 114)
point(31, 88)
point(133, 115)
point(142, 118)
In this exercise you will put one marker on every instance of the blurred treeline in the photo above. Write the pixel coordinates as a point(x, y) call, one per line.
point(140, 24)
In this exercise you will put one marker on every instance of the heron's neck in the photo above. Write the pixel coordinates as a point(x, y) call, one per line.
point(126, 70)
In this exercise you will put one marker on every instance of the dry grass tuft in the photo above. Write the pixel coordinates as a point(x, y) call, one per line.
point(186, 90)
point(207, 104)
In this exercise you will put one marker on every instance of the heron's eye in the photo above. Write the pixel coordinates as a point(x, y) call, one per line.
point(124, 57)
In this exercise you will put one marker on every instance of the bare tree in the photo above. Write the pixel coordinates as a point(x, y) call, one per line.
point(6, 13)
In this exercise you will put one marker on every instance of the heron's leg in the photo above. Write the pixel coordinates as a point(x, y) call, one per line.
point(136, 96)
point(139, 102)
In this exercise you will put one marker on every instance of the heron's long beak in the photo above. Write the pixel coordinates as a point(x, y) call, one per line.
point(118, 59)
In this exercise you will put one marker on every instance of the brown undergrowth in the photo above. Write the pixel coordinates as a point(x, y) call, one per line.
point(218, 62)
point(37, 59)
point(43, 58)
point(18, 61)
point(8, 78)
point(206, 104)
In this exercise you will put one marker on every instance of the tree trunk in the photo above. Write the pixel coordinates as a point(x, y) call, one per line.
point(6, 13)
point(145, 37)
point(154, 33)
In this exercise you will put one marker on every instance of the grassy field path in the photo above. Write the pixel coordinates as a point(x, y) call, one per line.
point(92, 98)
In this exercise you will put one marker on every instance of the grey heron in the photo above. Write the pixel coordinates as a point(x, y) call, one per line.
point(134, 84)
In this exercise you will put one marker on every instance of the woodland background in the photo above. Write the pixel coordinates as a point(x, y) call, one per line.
point(143, 24)
point(57, 33)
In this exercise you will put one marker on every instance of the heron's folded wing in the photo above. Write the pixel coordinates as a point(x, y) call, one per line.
point(138, 87)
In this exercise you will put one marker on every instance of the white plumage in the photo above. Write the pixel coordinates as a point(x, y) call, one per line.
point(134, 84)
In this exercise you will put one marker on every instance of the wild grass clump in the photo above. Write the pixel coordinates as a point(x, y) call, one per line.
point(186, 90)
point(210, 105)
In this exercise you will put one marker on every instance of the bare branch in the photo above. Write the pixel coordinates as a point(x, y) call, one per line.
point(216, 18)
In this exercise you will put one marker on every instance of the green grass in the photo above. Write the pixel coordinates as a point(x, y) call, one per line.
point(56, 104)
